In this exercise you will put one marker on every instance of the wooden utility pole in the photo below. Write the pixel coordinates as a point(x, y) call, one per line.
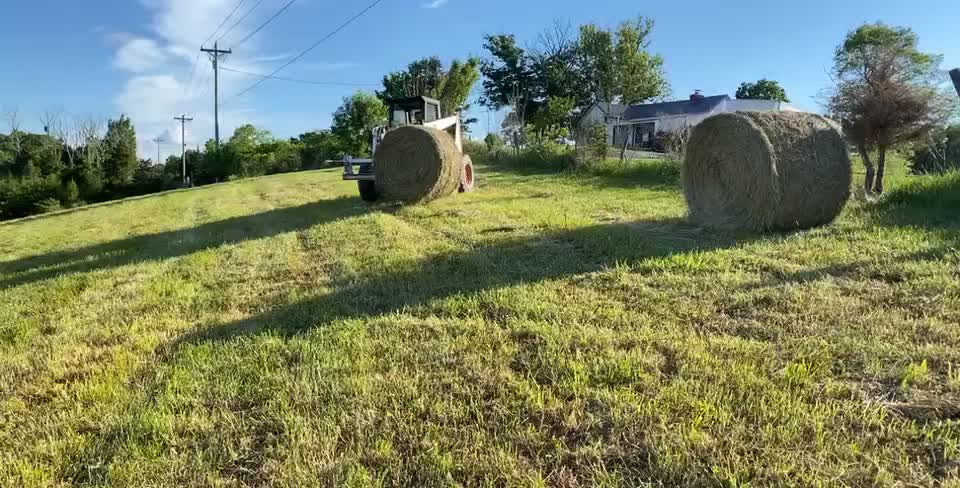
point(158, 140)
point(215, 54)
point(183, 143)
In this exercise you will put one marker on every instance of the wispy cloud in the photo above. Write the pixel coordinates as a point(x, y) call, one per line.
point(435, 4)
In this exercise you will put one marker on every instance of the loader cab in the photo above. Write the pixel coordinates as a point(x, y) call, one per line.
point(412, 111)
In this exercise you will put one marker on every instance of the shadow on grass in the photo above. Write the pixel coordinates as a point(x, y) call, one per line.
point(166, 245)
point(505, 263)
point(932, 202)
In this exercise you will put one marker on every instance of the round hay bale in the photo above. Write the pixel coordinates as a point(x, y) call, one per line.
point(766, 171)
point(417, 164)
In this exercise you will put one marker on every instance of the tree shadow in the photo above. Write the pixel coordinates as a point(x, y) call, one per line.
point(171, 244)
point(507, 262)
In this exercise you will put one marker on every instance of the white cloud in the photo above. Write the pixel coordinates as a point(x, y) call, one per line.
point(435, 4)
point(140, 55)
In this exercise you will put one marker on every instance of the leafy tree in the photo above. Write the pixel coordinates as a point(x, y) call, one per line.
point(426, 77)
point(120, 162)
point(763, 89)
point(423, 77)
point(318, 147)
point(509, 78)
point(354, 120)
point(620, 65)
point(71, 193)
point(886, 93)
point(458, 82)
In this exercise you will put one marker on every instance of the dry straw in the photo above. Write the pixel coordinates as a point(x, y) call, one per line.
point(417, 164)
point(766, 171)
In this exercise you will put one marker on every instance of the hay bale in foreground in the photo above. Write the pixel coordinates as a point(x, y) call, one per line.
point(417, 164)
point(766, 171)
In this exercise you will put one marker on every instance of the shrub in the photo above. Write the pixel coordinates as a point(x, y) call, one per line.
point(939, 154)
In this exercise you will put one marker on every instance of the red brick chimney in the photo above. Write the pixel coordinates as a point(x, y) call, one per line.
point(696, 95)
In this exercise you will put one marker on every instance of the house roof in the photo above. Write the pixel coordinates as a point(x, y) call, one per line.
point(682, 107)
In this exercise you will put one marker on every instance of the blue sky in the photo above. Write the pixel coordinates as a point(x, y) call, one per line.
point(103, 58)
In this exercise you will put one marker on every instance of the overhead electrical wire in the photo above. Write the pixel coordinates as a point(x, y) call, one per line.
point(237, 24)
point(258, 29)
point(294, 80)
point(193, 71)
point(311, 48)
point(237, 6)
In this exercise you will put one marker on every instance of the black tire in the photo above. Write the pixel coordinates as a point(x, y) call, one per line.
point(368, 191)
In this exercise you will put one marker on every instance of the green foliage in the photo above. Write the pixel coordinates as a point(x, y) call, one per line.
point(354, 121)
point(120, 162)
point(427, 77)
point(886, 94)
point(493, 142)
point(618, 64)
point(70, 194)
point(939, 153)
point(319, 147)
point(762, 89)
point(423, 77)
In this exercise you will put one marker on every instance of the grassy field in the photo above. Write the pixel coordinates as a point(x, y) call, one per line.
point(544, 331)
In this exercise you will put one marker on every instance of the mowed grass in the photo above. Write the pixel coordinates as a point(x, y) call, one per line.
point(546, 330)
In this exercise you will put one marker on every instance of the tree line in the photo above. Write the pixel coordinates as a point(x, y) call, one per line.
point(886, 97)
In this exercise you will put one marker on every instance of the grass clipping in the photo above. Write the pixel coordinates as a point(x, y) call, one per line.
point(766, 171)
point(417, 164)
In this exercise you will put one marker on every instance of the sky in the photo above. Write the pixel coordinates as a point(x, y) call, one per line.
point(105, 58)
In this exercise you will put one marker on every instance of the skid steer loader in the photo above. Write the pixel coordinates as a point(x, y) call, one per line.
point(416, 111)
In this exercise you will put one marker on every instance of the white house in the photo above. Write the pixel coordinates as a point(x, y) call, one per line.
point(639, 124)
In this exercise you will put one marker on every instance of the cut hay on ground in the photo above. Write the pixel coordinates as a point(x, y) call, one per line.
point(417, 164)
point(766, 171)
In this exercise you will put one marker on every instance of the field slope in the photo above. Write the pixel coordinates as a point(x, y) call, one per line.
point(544, 331)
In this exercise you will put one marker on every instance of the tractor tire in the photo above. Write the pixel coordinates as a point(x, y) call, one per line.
point(368, 191)
point(467, 175)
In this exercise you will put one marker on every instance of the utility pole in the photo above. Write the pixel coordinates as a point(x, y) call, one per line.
point(215, 54)
point(183, 143)
point(158, 140)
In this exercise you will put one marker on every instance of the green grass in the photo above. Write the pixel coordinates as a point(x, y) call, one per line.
point(547, 330)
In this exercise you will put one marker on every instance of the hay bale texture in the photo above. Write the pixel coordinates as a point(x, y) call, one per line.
point(417, 164)
point(766, 171)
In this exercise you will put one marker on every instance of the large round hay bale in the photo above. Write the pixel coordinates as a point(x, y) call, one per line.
point(766, 171)
point(417, 164)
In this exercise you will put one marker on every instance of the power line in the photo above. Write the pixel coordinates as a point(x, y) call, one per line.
point(311, 48)
point(237, 6)
point(234, 26)
point(196, 60)
point(258, 29)
point(294, 80)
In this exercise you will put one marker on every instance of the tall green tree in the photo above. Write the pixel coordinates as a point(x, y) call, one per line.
point(120, 162)
point(427, 77)
point(354, 120)
point(619, 63)
point(886, 94)
point(423, 77)
point(762, 89)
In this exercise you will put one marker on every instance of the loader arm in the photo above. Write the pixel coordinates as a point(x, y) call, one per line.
point(445, 124)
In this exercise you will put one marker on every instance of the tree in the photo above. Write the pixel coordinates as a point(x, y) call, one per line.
point(508, 77)
point(620, 65)
point(763, 89)
point(120, 163)
point(318, 147)
point(885, 93)
point(354, 120)
point(426, 77)
point(423, 77)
